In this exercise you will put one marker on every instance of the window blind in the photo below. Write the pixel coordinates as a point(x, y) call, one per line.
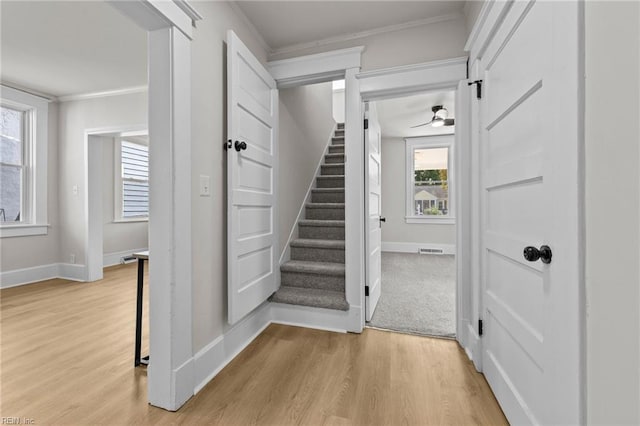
point(135, 179)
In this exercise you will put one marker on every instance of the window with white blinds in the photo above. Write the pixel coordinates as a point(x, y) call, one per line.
point(134, 158)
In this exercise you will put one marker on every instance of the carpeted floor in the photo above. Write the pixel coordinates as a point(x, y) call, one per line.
point(418, 294)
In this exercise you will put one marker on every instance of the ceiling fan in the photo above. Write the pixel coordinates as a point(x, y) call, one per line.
point(439, 118)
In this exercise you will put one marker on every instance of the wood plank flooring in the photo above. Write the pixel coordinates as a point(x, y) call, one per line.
point(67, 358)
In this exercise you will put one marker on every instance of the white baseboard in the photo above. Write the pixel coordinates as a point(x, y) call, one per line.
point(474, 347)
point(184, 378)
point(211, 359)
point(317, 318)
point(28, 275)
point(415, 247)
point(69, 271)
point(110, 259)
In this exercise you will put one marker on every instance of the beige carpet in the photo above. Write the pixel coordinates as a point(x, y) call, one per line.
point(418, 294)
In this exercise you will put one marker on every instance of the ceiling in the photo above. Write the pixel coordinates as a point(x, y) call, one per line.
point(396, 116)
point(69, 47)
point(288, 23)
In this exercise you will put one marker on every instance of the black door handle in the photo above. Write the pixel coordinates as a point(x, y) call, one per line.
point(383, 219)
point(240, 145)
point(532, 254)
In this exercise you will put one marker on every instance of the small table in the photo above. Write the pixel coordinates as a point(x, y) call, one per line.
point(141, 256)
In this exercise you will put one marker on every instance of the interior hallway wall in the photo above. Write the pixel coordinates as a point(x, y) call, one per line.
point(39, 250)
point(612, 212)
point(75, 117)
point(395, 229)
point(432, 42)
point(208, 132)
point(306, 125)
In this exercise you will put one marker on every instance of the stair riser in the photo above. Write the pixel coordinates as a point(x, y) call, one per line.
point(330, 183)
point(327, 170)
point(339, 132)
point(325, 214)
point(321, 232)
point(340, 126)
point(337, 141)
point(336, 149)
point(331, 160)
point(317, 254)
point(327, 197)
point(324, 282)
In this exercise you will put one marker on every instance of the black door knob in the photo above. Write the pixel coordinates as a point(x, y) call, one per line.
point(240, 145)
point(383, 219)
point(532, 254)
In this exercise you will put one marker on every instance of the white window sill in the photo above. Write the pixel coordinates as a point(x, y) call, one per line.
point(142, 219)
point(448, 220)
point(23, 230)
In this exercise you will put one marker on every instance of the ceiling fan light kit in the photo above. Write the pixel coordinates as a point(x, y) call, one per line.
point(439, 119)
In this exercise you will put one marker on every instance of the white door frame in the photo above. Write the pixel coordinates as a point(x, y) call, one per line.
point(93, 222)
point(171, 380)
point(323, 67)
point(433, 76)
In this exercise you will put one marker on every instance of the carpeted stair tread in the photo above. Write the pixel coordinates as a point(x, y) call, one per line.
point(309, 267)
point(319, 222)
point(329, 244)
point(334, 158)
point(326, 205)
point(330, 190)
point(312, 297)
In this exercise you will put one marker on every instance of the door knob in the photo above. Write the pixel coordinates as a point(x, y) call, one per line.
point(383, 219)
point(240, 145)
point(532, 254)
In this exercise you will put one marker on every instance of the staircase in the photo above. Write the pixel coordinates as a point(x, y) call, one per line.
point(315, 274)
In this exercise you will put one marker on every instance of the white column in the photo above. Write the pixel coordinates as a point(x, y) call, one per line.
point(171, 374)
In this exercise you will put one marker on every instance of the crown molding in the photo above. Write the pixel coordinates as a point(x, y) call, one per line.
point(104, 94)
point(477, 25)
point(367, 33)
point(189, 10)
point(24, 89)
point(252, 28)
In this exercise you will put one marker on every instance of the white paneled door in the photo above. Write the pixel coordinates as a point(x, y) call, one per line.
point(251, 181)
point(372, 139)
point(531, 231)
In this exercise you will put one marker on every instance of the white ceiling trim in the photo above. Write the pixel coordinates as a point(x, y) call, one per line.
point(20, 88)
point(234, 6)
point(367, 33)
point(93, 95)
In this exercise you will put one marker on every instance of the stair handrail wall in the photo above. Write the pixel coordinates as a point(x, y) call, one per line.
point(285, 256)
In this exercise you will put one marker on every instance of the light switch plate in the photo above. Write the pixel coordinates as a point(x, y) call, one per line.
point(205, 186)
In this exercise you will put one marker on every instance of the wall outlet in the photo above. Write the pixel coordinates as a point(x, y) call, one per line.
point(72, 258)
point(205, 186)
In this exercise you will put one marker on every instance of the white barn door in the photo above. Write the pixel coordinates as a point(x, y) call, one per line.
point(373, 185)
point(252, 150)
point(531, 232)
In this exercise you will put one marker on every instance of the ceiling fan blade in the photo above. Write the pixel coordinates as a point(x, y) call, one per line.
point(423, 124)
point(449, 121)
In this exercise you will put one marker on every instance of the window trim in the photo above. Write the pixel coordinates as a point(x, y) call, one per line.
point(435, 141)
point(33, 211)
point(118, 181)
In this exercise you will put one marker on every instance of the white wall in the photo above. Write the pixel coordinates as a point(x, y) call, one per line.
point(112, 112)
point(471, 11)
point(613, 212)
point(117, 236)
point(306, 125)
point(442, 40)
point(395, 229)
point(209, 131)
point(33, 251)
point(338, 105)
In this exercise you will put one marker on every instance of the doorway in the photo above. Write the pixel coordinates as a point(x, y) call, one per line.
point(417, 213)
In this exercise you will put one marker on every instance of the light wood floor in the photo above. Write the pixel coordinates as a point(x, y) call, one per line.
point(67, 358)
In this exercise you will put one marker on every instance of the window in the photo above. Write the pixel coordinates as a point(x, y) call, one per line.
point(132, 179)
point(23, 163)
point(429, 179)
